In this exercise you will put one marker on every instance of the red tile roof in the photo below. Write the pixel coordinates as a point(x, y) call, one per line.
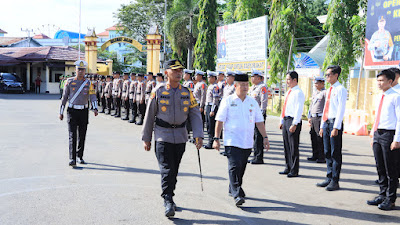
point(105, 33)
point(115, 27)
point(41, 36)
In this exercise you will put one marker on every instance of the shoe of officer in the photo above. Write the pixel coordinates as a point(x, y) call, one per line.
point(290, 175)
point(169, 206)
point(72, 163)
point(117, 115)
point(239, 201)
point(108, 112)
point(140, 122)
point(321, 161)
point(255, 162)
point(223, 153)
point(81, 161)
point(125, 118)
point(312, 159)
point(332, 186)
point(376, 201)
point(387, 205)
point(285, 172)
point(103, 111)
point(324, 183)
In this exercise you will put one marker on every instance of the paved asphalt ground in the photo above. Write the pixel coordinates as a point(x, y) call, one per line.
point(121, 182)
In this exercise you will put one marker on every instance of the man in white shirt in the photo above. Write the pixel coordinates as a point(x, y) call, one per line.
point(332, 128)
point(290, 124)
point(386, 141)
point(238, 114)
point(396, 87)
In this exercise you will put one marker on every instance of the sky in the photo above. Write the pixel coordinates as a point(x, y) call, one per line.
point(44, 16)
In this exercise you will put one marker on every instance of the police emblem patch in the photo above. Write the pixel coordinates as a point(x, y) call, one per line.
point(165, 93)
point(185, 109)
point(186, 102)
point(164, 108)
point(184, 93)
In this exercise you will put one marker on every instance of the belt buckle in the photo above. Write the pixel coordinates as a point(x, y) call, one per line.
point(173, 126)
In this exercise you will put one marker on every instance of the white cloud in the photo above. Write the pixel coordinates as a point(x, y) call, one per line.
point(39, 14)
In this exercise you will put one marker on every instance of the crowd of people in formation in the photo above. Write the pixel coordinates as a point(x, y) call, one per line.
point(225, 105)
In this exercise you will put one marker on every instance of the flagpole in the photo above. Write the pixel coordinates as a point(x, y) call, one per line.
point(79, 34)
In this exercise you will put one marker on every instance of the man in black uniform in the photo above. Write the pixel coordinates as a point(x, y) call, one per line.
point(170, 106)
point(77, 92)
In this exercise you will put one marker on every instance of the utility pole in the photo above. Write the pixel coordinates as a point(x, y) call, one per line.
point(164, 34)
point(79, 34)
point(28, 31)
point(190, 49)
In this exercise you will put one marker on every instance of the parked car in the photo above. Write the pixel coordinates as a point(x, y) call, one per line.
point(10, 82)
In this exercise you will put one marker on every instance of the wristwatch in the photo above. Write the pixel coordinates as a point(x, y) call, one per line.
point(215, 139)
point(266, 137)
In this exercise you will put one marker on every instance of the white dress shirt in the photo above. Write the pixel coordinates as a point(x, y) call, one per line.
point(294, 105)
point(396, 88)
point(337, 104)
point(239, 118)
point(390, 112)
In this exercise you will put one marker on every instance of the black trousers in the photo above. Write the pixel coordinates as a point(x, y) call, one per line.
point(126, 107)
point(37, 89)
point(109, 102)
point(386, 163)
point(133, 107)
point(258, 144)
point(210, 123)
point(316, 140)
point(237, 161)
point(141, 108)
point(291, 145)
point(78, 120)
point(117, 105)
point(103, 103)
point(169, 157)
point(333, 151)
point(98, 97)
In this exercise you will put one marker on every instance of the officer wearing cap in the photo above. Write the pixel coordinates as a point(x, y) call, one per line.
point(159, 79)
point(221, 84)
point(170, 106)
point(108, 90)
point(381, 43)
point(229, 88)
point(199, 92)
point(140, 97)
point(150, 84)
point(102, 85)
point(259, 91)
point(187, 77)
point(77, 92)
point(117, 91)
point(125, 95)
point(212, 102)
point(314, 120)
point(132, 97)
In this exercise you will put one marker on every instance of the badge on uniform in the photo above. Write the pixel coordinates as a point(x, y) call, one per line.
point(165, 93)
point(184, 93)
point(164, 102)
point(186, 102)
point(153, 95)
point(164, 108)
point(233, 104)
point(185, 109)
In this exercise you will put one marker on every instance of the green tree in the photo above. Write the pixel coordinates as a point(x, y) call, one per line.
point(205, 49)
point(340, 46)
point(137, 17)
point(249, 9)
point(181, 16)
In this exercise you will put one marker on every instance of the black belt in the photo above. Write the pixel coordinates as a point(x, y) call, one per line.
point(148, 92)
point(162, 123)
point(330, 120)
point(385, 130)
point(287, 117)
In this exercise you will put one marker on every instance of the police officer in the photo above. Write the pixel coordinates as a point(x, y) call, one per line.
point(150, 85)
point(212, 102)
point(140, 98)
point(314, 119)
point(159, 79)
point(78, 91)
point(95, 83)
point(108, 90)
point(117, 91)
point(187, 77)
point(132, 97)
point(229, 88)
point(101, 89)
point(259, 91)
point(381, 43)
point(125, 95)
point(221, 84)
point(199, 92)
point(170, 106)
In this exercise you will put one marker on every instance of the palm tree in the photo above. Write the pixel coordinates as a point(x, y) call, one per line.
point(181, 28)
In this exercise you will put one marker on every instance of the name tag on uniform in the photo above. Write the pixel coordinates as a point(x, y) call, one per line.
point(233, 104)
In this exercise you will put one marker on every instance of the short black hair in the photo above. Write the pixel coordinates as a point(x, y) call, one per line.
point(294, 75)
point(389, 74)
point(395, 70)
point(335, 69)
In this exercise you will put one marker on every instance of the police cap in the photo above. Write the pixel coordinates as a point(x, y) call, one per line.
point(199, 72)
point(211, 73)
point(188, 71)
point(255, 72)
point(80, 64)
point(173, 64)
point(140, 75)
point(321, 79)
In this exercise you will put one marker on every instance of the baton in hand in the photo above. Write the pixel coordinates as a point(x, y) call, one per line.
point(198, 156)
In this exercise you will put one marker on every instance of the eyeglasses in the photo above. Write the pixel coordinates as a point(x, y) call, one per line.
point(328, 74)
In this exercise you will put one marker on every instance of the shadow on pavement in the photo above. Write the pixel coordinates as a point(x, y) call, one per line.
point(230, 219)
point(320, 210)
point(139, 170)
point(29, 96)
